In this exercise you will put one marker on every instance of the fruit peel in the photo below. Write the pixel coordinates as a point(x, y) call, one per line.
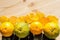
point(21, 29)
point(51, 30)
point(7, 29)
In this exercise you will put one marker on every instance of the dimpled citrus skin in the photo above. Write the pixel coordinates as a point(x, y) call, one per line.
point(34, 16)
point(20, 19)
point(51, 30)
point(13, 19)
point(7, 29)
point(44, 20)
point(3, 19)
point(21, 29)
point(36, 28)
point(53, 18)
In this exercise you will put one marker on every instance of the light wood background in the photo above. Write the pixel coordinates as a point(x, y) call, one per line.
point(22, 7)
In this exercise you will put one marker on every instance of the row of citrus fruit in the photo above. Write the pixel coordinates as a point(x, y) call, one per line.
point(35, 22)
point(32, 16)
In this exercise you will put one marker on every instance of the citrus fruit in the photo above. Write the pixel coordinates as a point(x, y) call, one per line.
point(3, 19)
point(44, 20)
point(27, 19)
point(53, 18)
point(51, 30)
point(21, 29)
point(36, 28)
point(13, 19)
point(7, 29)
point(20, 19)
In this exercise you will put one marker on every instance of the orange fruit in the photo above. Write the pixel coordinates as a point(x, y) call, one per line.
point(44, 20)
point(31, 17)
point(39, 14)
point(51, 30)
point(7, 29)
point(20, 19)
point(35, 18)
point(27, 19)
point(13, 19)
point(3, 19)
point(36, 28)
point(31, 14)
point(53, 18)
